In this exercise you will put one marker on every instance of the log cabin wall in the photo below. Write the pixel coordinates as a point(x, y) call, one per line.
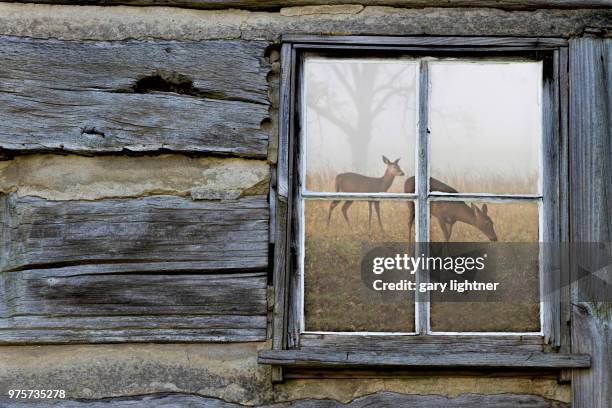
point(138, 147)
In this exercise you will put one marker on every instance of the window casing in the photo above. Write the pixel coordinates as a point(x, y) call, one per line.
point(289, 330)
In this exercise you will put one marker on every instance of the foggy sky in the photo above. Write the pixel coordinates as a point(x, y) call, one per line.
point(485, 118)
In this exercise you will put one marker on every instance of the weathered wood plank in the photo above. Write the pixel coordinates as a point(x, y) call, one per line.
point(44, 306)
point(564, 200)
point(422, 344)
point(334, 358)
point(93, 97)
point(227, 235)
point(591, 214)
point(428, 41)
point(279, 317)
point(158, 322)
point(109, 329)
point(552, 211)
point(379, 399)
point(141, 335)
point(267, 4)
point(294, 204)
point(44, 293)
point(284, 118)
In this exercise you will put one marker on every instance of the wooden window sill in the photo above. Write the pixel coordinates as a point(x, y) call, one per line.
point(305, 358)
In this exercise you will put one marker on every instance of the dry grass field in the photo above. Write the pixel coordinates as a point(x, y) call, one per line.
point(336, 298)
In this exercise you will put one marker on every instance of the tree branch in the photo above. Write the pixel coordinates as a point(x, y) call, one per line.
point(343, 81)
point(341, 124)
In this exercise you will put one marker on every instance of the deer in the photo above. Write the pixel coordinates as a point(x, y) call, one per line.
point(358, 183)
point(449, 212)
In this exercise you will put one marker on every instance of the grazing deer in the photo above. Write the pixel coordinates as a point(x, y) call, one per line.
point(357, 183)
point(449, 212)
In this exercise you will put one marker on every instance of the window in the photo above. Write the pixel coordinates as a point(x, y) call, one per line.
point(483, 138)
point(421, 145)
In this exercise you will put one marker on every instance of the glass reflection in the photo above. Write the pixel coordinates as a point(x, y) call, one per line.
point(356, 111)
point(486, 125)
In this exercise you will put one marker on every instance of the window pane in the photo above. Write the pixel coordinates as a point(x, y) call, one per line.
point(482, 222)
point(486, 125)
point(356, 112)
point(338, 295)
point(511, 261)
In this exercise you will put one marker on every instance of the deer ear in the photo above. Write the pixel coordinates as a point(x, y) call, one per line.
point(396, 160)
point(475, 209)
point(484, 209)
point(385, 160)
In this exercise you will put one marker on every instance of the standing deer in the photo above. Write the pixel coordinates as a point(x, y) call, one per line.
point(449, 212)
point(357, 183)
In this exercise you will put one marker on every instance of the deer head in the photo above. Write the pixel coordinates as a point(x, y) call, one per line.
point(484, 222)
point(392, 167)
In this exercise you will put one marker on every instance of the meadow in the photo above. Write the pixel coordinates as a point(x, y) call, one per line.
point(337, 299)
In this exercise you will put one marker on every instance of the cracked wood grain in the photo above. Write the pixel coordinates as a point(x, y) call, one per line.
point(591, 215)
point(103, 97)
point(218, 235)
point(48, 306)
point(378, 399)
point(348, 359)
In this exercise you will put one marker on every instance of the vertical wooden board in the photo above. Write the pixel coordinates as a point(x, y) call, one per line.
point(564, 202)
point(591, 211)
point(551, 190)
point(281, 219)
point(284, 114)
point(294, 208)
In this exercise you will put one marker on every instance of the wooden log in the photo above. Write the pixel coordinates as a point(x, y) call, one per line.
point(268, 4)
point(342, 359)
point(378, 399)
point(113, 329)
point(42, 292)
point(51, 306)
point(219, 235)
point(91, 97)
point(591, 215)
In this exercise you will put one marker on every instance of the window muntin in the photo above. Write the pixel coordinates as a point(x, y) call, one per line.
point(525, 107)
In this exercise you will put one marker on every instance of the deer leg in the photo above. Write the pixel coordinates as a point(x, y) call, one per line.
point(377, 208)
point(369, 216)
point(333, 205)
point(444, 228)
point(410, 219)
point(450, 230)
point(345, 208)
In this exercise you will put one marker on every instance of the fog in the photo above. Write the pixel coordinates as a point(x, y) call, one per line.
point(485, 121)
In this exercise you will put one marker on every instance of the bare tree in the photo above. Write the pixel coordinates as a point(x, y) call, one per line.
point(368, 94)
